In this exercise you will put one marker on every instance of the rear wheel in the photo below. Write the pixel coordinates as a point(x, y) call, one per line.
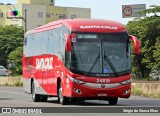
point(113, 101)
point(35, 97)
point(62, 99)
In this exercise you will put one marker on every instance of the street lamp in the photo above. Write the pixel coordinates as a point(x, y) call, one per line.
point(11, 5)
point(6, 5)
point(25, 12)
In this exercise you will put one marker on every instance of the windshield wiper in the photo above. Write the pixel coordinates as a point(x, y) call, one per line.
point(127, 47)
point(110, 64)
point(94, 63)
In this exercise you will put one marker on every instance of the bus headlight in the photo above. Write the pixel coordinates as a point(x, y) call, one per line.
point(126, 82)
point(75, 80)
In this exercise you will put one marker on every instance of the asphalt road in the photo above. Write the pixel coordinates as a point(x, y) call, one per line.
point(12, 97)
point(16, 97)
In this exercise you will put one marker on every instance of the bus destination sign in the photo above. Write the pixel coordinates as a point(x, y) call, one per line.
point(87, 36)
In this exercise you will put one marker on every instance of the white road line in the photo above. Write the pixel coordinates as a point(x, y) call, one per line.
point(12, 92)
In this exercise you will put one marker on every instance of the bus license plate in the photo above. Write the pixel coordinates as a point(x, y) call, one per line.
point(102, 94)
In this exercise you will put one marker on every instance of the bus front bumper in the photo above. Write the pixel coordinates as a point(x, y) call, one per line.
point(88, 92)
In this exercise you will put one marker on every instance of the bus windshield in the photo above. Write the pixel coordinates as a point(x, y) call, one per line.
point(101, 54)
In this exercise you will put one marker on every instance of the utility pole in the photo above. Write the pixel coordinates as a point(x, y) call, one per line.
point(25, 21)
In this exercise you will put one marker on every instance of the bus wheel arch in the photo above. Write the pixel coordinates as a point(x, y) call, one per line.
point(35, 97)
point(58, 84)
point(31, 84)
point(61, 99)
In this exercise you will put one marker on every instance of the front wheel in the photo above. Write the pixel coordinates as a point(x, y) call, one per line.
point(35, 97)
point(113, 101)
point(62, 99)
point(44, 98)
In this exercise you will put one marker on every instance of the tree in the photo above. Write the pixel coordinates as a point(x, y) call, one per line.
point(148, 31)
point(11, 37)
point(154, 9)
point(15, 57)
point(156, 54)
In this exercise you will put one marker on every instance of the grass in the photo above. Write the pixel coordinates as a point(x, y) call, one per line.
point(146, 79)
point(13, 81)
point(136, 91)
point(158, 94)
point(142, 92)
point(18, 83)
point(6, 84)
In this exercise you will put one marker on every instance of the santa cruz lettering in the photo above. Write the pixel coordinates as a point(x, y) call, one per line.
point(98, 27)
point(44, 63)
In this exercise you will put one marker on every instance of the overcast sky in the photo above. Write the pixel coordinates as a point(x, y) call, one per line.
point(101, 9)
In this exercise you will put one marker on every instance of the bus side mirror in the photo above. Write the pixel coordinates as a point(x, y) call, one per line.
point(136, 44)
point(68, 42)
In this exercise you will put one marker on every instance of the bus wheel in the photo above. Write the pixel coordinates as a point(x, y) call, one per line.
point(62, 99)
point(35, 97)
point(113, 101)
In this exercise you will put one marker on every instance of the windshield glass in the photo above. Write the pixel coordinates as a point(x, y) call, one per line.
point(101, 54)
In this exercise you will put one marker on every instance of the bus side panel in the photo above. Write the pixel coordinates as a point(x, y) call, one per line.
point(48, 68)
point(59, 72)
point(27, 73)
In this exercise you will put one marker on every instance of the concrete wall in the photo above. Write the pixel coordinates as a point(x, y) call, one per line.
point(33, 20)
point(24, 2)
point(10, 81)
point(147, 89)
point(6, 13)
point(37, 2)
point(79, 12)
point(54, 13)
point(3, 9)
point(35, 6)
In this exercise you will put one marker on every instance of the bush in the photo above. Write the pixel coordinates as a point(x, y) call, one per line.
point(18, 83)
point(136, 91)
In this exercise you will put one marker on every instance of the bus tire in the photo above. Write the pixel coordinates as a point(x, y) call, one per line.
point(44, 98)
point(62, 99)
point(113, 101)
point(35, 97)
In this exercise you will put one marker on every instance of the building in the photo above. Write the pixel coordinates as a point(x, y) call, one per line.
point(34, 13)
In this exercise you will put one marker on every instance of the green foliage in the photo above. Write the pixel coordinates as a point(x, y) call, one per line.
point(6, 84)
point(154, 10)
point(18, 83)
point(156, 54)
point(11, 37)
point(136, 91)
point(16, 58)
point(148, 31)
point(158, 94)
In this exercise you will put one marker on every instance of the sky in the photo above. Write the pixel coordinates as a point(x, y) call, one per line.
point(101, 9)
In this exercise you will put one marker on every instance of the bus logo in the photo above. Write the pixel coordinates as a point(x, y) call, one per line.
point(44, 63)
point(103, 86)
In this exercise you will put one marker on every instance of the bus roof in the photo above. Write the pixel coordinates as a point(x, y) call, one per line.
point(82, 25)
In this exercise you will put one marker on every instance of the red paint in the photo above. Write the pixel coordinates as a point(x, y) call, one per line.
point(47, 77)
point(136, 44)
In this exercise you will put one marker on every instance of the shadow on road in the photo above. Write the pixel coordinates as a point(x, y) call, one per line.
point(86, 103)
point(5, 99)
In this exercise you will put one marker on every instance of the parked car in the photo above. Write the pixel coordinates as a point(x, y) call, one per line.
point(155, 74)
point(3, 71)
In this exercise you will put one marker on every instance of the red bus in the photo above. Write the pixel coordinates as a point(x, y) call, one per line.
point(78, 59)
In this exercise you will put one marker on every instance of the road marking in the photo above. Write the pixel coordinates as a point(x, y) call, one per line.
point(13, 92)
